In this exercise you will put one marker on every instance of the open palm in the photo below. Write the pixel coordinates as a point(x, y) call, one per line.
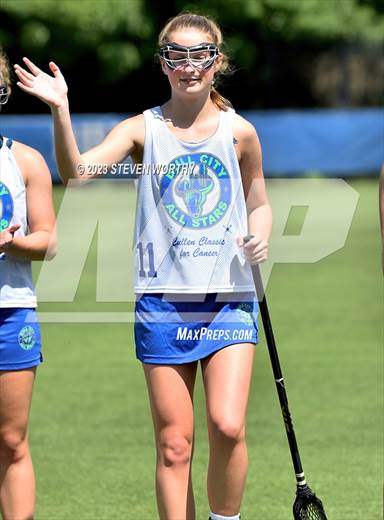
point(50, 89)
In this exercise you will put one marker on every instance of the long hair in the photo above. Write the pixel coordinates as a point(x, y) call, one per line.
point(5, 71)
point(207, 25)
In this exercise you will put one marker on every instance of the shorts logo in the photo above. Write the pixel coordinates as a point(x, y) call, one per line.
point(6, 207)
point(245, 313)
point(196, 190)
point(27, 338)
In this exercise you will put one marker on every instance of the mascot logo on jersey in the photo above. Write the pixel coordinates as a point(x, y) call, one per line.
point(196, 190)
point(6, 207)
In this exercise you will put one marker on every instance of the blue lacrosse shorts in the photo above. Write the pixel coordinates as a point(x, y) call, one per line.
point(20, 339)
point(171, 329)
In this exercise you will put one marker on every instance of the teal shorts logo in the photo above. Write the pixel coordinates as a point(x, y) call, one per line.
point(196, 190)
point(245, 313)
point(27, 338)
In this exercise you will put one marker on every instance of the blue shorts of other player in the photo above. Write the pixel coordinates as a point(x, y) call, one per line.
point(20, 339)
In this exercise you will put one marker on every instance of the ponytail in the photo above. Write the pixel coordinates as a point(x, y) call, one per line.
point(220, 101)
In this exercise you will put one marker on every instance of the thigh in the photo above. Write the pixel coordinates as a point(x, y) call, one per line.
point(170, 389)
point(227, 377)
point(15, 399)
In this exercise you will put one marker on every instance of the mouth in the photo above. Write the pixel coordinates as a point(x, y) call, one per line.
point(191, 79)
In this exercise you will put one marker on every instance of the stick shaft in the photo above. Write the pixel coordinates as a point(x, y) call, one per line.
point(279, 380)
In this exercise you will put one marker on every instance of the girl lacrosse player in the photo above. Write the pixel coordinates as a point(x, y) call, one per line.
point(195, 294)
point(26, 233)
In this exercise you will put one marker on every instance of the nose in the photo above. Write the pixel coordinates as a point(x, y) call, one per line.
point(188, 67)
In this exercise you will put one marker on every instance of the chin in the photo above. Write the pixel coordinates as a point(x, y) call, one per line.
point(192, 89)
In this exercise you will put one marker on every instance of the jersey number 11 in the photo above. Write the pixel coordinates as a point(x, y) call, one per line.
point(151, 260)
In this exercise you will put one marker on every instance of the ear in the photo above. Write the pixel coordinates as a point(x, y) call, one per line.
point(164, 67)
point(218, 63)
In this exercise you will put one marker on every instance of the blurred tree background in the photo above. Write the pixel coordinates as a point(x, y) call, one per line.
point(286, 53)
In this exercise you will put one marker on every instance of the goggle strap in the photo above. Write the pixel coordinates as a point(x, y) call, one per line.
point(194, 48)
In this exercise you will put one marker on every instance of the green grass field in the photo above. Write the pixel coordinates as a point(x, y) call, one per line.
point(91, 433)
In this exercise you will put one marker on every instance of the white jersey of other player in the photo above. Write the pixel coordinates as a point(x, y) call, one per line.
point(16, 288)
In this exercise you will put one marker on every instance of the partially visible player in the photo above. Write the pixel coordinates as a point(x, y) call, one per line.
point(26, 233)
point(381, 212)
point(195, 292)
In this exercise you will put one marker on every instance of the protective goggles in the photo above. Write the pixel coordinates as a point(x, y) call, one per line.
point(4, 94)
point(200, 56)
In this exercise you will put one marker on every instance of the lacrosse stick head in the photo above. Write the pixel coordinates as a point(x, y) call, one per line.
point(307, 506)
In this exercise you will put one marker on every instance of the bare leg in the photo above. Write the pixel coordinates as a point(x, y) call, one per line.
point(170, 389)
point(227, 377)
point(17, 479)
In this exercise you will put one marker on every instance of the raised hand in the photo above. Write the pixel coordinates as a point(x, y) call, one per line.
point(50, 89)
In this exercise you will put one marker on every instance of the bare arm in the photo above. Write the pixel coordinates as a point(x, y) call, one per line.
point(40, 243)
point(258, 207)
point(118, 144)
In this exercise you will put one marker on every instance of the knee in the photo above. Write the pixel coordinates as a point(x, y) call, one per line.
point(13, 446)
point(175, 449)
point(228, 429)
